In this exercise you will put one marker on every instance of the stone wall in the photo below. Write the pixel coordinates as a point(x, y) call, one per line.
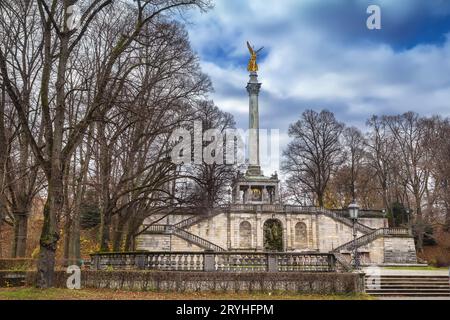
point(214, 230)
point(399, 250)
point(153, 242)
point(374, 223)
point(373, 252)
point(332, 234)
point(162, 242)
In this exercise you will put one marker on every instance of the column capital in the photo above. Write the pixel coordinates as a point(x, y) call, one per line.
point(253, 88)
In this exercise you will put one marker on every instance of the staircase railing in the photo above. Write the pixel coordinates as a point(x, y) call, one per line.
point(196, 239)
point(342, 261)
point(195, 219)
point(336, 216)
point(171, 229)
point(367, 238)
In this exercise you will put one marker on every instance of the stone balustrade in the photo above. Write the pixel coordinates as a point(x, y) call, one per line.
point(215, 261)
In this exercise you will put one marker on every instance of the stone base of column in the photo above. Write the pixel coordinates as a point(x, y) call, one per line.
point(254, 171)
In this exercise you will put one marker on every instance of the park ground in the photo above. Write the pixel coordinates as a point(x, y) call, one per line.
point(106, 294)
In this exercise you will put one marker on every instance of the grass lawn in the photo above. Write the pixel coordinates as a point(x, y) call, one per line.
point(106, 294)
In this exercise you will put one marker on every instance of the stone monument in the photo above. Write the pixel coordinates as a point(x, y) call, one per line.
point(254, 187)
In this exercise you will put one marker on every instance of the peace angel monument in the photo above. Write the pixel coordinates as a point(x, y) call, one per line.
point(254, 187)
point(257, 221)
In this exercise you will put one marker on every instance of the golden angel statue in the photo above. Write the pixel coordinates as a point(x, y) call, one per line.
point(252, 65)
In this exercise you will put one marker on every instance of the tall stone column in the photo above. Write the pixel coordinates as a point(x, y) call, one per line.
point(253, 88)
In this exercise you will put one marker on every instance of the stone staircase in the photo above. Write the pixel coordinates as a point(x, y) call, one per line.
point(345, 265)
point(408, 286)
point(372, 236)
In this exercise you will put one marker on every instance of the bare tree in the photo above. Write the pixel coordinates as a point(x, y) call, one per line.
point(60, 44)
point(19, 31)
point(380, 147)
point(409, 132)
point(354, 145)
point(209, 181)
point(315, 152)
point(439, 144)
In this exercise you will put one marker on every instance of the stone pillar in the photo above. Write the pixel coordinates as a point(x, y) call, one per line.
point(276, 196)
point(229, 230)
point(140, 262)
point(258, 232)
point(272, 263)
point(209, 263)
point(95, 262)
point(265, 195)
point(253, 89)
point(290, 233)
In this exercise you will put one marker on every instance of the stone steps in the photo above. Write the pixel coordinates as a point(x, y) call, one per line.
point(408, 285)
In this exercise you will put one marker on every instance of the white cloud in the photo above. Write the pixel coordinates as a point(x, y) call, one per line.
point(313, 67)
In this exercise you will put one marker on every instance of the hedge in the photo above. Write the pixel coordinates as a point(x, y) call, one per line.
point(19, 264)
point(174, 281)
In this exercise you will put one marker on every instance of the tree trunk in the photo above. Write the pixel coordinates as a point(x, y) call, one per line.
point(320, 199)
point(419, 226)
point(48, 241)
point(20, 235)
point(105, 228)
point(1, 239)
point(75, 247)
point(447, 219)
point(117, 234)
point(67, 238)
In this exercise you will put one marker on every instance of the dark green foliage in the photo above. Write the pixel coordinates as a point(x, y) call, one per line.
point(399, 215)
point(90, 216)
point(273, 236)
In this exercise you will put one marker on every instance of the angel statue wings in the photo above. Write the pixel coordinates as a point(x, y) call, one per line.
point(252, 65)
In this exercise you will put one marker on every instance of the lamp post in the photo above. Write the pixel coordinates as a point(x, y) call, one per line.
point(353, 210)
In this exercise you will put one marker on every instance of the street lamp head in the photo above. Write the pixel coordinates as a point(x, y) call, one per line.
point(353, 210)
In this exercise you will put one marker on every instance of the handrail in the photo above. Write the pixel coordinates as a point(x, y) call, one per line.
point(196, 239)
point(195, 219)
point(367, 238)
point(172, 229)
point(343, 262)
point(359, 226)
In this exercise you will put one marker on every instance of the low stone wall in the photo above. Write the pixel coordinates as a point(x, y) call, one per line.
point(13, 278)
point(309, 283)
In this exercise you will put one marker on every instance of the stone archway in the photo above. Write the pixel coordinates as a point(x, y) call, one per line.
point(273, 235)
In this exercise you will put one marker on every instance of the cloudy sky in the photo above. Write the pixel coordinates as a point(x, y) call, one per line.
point(319, 54)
